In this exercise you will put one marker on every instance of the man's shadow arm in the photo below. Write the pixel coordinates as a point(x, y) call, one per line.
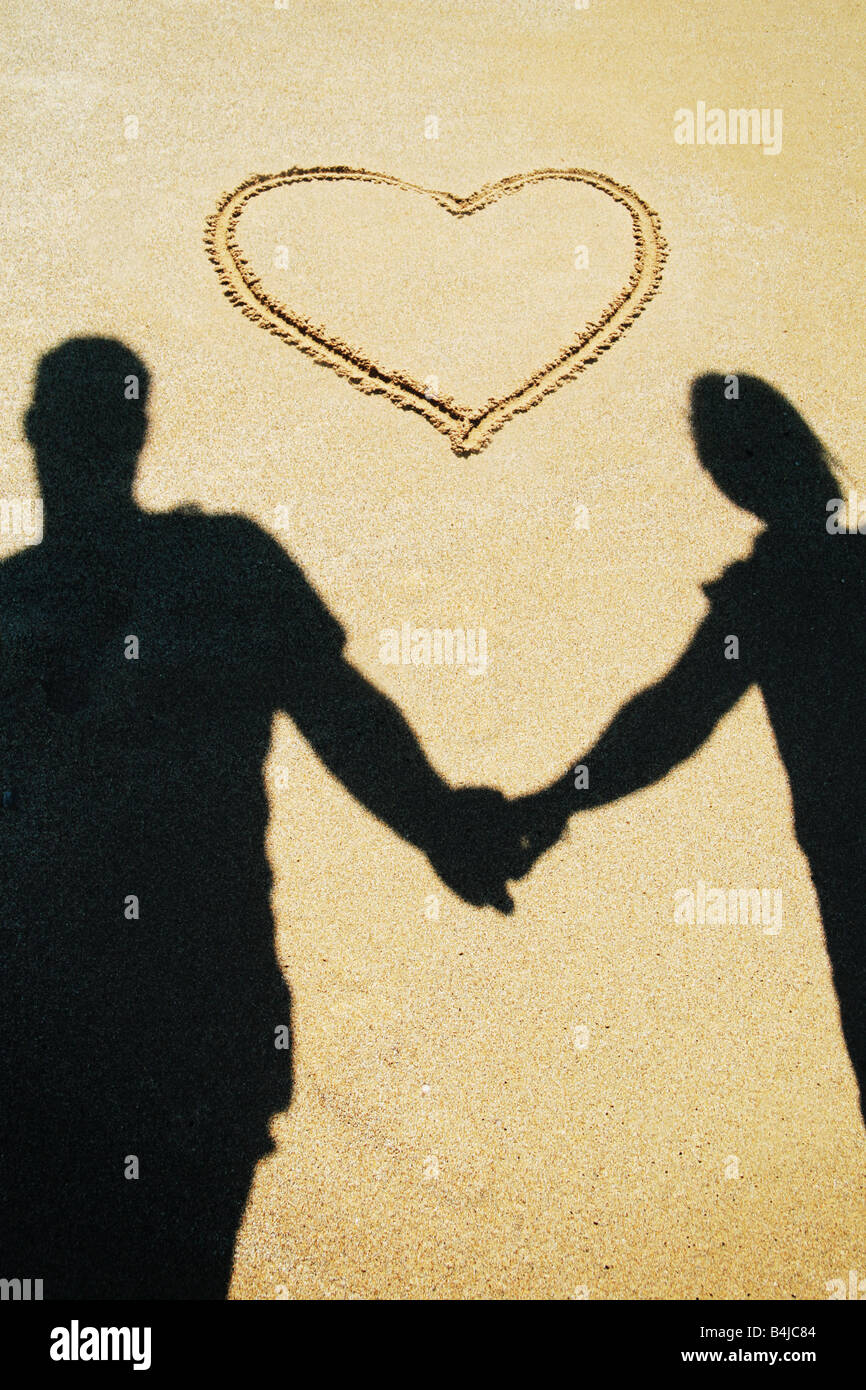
point(366, 743)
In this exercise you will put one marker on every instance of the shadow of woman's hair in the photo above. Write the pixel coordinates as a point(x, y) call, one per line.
point(759, 450)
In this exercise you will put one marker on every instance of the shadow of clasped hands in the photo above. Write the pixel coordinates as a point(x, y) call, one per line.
point(484, 840)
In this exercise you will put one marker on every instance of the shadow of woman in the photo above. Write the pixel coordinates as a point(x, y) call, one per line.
point(145, 1027)
point(795, 607)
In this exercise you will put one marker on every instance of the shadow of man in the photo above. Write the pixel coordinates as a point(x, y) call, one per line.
point(146, 1028)
point(796, 608)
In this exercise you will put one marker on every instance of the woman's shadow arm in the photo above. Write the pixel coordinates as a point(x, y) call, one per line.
point(657, 730)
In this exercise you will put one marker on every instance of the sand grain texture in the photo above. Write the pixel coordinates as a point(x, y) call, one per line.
point(447, 1138)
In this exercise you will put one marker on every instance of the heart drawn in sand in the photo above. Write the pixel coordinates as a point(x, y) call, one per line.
point(468, 428)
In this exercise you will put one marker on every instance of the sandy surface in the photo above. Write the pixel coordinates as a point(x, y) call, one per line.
point(454, 1132)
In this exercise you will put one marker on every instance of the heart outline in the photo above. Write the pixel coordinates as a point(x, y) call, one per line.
point(468, 430)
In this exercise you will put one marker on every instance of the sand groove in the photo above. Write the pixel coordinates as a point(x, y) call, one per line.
point(467, 428)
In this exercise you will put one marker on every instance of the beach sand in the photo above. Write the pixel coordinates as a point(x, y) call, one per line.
point(585, 1098)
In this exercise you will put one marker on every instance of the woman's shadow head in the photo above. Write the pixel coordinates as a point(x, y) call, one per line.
point(759, 450)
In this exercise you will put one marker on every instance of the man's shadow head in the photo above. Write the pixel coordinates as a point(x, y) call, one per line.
point(87, 423)
point(759, 450)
